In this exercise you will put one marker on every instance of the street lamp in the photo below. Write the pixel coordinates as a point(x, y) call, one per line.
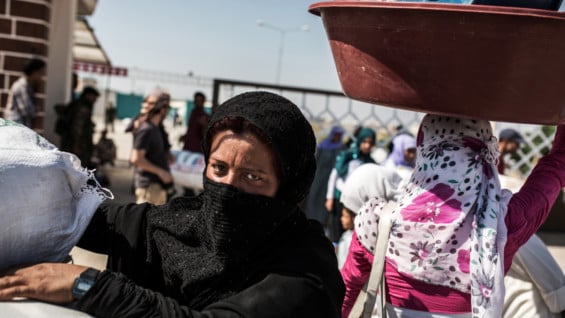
point(283, 32)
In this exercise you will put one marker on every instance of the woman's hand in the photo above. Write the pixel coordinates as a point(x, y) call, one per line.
point(50, 282)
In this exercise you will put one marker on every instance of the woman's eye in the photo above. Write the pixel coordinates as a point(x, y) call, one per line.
point(218, 168)
point(252, 177)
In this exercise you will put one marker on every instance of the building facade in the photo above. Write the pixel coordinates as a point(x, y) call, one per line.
point(40, 29)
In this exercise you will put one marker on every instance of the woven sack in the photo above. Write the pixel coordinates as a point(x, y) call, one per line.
point(46, 198)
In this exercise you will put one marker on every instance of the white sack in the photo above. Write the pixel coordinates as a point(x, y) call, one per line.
point(46, 198)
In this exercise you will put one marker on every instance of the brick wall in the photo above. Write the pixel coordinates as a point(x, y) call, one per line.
point(24, 33)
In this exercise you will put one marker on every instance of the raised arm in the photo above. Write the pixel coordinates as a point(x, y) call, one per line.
point(530, 206)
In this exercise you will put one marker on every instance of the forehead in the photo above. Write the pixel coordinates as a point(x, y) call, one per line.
point(227, 145)
point(227, 138)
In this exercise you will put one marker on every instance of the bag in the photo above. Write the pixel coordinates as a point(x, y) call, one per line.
point(46, 198)
point(365, 302)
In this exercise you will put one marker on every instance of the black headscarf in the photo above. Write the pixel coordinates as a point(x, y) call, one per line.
point(289, 133)
point(214, 245)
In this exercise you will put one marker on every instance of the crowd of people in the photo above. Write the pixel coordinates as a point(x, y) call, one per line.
point(75, 126)
point(245, 247)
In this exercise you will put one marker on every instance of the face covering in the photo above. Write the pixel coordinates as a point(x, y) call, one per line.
point(230, 233)
point(240, 221)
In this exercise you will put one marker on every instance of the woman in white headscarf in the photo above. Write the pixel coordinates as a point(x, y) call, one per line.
point(454, 230)
point(366, 182)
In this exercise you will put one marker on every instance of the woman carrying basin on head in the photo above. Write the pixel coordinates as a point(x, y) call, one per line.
point(454, 230)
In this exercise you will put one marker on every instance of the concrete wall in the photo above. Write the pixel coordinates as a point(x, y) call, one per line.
point(59, 62)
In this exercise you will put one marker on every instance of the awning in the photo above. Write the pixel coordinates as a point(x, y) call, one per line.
point(86, 7)
point(86, 47)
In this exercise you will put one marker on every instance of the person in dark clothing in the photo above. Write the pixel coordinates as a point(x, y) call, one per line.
point(346, 162)
point(139, 118)
point(110, 117)
point(150, 154)
point(326, 153)
point(197, 123)
point(242, 248)
point(78, 140)
point(164, 99)
point(509, 142)
point(74, 85)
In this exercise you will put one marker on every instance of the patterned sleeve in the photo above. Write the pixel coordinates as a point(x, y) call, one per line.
point(366, 223)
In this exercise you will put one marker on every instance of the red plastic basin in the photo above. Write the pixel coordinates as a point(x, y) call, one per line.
point(495, 63)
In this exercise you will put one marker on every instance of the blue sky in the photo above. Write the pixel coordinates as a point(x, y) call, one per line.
point(216, 39)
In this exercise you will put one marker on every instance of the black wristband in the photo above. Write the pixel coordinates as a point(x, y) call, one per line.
point(84, 282)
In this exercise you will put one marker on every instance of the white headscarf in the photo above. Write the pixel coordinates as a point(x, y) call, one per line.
point(46, 198)
point(449, 225)
point(369, 181)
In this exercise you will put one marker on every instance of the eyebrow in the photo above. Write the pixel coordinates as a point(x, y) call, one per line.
point(245, 168)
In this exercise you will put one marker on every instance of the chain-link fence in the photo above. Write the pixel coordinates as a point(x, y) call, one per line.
point(325, 108)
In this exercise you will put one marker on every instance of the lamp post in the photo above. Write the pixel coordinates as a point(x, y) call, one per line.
point(282, 32)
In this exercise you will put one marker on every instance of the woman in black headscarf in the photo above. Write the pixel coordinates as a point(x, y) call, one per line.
point(241, 248)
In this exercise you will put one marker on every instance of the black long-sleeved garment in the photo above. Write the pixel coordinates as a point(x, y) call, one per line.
point(286, 274)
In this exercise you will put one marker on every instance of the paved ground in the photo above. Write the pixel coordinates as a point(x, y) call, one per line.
point(121, 176)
